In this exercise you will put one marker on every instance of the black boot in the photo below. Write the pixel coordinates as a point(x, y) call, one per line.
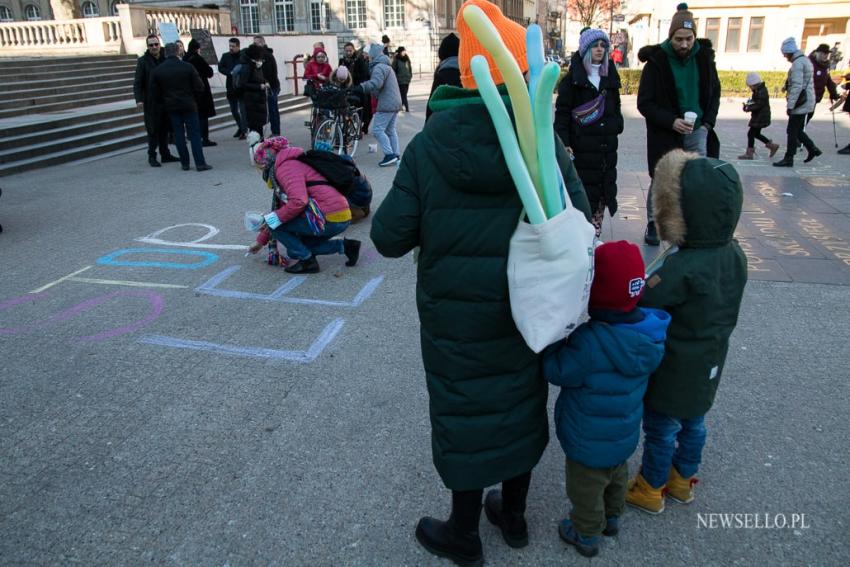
point(152, 162)
point(651, 234)
point(168, 158)
point(308, 266)
point(238, 133)
point(785, 162)
point(813, 153)
point(351, 249)
point(845, 150)
point(513, 526)
point(456, 539)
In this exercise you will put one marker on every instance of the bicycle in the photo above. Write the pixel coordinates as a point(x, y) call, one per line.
point(335, 123)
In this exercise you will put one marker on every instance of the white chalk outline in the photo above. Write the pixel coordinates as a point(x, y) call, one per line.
point(301, 356)
point(60, 280)
point(127, 283)
point(153, 238)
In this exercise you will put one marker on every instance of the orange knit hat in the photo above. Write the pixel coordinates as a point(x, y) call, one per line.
point(511, 32)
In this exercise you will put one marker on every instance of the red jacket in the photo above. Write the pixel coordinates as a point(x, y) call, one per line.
point(313, 69)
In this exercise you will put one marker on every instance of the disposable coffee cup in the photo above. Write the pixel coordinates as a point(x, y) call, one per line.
point(373, 148)
point(691, 118)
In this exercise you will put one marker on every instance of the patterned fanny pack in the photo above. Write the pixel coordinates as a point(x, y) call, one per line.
point(591, 111)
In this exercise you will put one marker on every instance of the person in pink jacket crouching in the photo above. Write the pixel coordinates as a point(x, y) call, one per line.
point(312, 213)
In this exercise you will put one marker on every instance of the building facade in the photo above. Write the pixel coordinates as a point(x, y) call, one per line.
point(747, 34)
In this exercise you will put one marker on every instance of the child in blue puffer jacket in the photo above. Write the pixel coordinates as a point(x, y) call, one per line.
point(603, 369)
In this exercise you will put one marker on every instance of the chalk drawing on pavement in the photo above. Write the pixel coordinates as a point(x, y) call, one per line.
point(154, 238)
point(112, 259)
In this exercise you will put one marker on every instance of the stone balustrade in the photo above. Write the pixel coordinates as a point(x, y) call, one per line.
point(125, 33)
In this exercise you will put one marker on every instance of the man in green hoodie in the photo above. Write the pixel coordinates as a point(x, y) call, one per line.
point(679, 96)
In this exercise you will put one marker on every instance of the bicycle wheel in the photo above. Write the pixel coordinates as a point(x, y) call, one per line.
point(328, 137)
point(352, 133)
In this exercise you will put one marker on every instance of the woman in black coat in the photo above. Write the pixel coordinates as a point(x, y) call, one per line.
point(588, 120)
point(252, 89)
point(448, 70)
point(206, 105)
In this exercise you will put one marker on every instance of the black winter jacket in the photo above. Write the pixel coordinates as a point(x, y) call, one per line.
point(225, 65)
point(270, 69)
point(760, 107)
point(206, 105)
point(144, 71)
point(175, 85)
point(658, 102)
point(595, 145)
point(252, 94)
point(357, 66)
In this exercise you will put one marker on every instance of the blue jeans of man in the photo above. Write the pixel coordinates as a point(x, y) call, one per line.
point(234, 111)
point(670, 441)
point(302, 243)
point(187, 122)
point(383, 128)
point(274, 113)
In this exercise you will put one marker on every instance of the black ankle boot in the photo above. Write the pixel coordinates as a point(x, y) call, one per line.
point(511, 523)
point(444, 539)
point(651, 234)
point(785, 162)
point(813, 153)
point(308, 266)
point(351, 249)
point(845, 150)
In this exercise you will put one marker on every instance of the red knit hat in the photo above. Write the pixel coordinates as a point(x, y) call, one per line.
point(619, 278)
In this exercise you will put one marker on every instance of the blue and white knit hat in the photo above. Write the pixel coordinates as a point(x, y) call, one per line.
point(590, 36)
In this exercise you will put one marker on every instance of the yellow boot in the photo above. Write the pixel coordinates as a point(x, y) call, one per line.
point(679, 488)
point(642, 496)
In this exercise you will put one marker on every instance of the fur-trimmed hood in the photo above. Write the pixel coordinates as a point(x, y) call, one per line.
point(697, 201)
point(648, 51)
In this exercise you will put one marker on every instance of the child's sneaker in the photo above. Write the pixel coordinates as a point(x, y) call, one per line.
point(612, 526)
point(643, 497)
point(587, 546)
point(679, 488)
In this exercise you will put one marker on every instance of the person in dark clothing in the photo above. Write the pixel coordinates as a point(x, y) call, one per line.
point(385, 41)
point(800, 102)
point(846, 108)
point(358, 66)
point(271, 77)
point(679, 76)
point(404, 73)
point(206, 105)
point(759, 106)
point(447, 71)
point(155, 118)
point(252, 91)
point(588, 120)
point(823, 82)
point(176, 85)
point(225, 66)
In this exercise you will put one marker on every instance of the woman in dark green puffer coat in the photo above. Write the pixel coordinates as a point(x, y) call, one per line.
point(454, 198)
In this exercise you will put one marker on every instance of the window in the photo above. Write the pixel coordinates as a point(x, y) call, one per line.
point(355, 13)
point(319, 15)
point(394, 13)
point(733, 35)
point(712, 31)
point(250, 16)
point(90, 10)
point(284, 15)
point(754, 38)
point(32, 13)
point(5, 14)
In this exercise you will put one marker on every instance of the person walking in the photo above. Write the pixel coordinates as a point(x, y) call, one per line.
point(252, 89)
point(759, 106)
point(226, 65)
point(206, 104)
point(404, 74)
point(155, 118)
point(800, 97)
point(454, 198)
point(588, 120)
point(680, 76)
point(384, 86)
point(358, 68)
point(846, 108)
point(823, 81)
point(176, 84)
point(270, 75)
point(447, 71)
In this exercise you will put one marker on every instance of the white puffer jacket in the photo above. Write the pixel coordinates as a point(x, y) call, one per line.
point(800, 76)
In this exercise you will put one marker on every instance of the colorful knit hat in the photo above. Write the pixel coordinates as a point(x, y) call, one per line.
point(511, 33)
point(589, 37)
point(618, 278)
point(682, 19)
point(266, 151)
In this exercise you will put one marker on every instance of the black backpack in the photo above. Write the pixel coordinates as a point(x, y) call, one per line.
point(339, 171)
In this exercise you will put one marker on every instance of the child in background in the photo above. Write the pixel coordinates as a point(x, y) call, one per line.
point(700, 281)
point(341, 78)
point(759, 106)
point(603, 368)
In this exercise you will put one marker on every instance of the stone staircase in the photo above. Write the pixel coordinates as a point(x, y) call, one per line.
point(55, 111)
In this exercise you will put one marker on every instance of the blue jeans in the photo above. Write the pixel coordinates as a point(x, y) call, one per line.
point(301, 242)
point(234, 110)
point(383, 128)
point(187, 122)
point(274, 113)
point(660, 436)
